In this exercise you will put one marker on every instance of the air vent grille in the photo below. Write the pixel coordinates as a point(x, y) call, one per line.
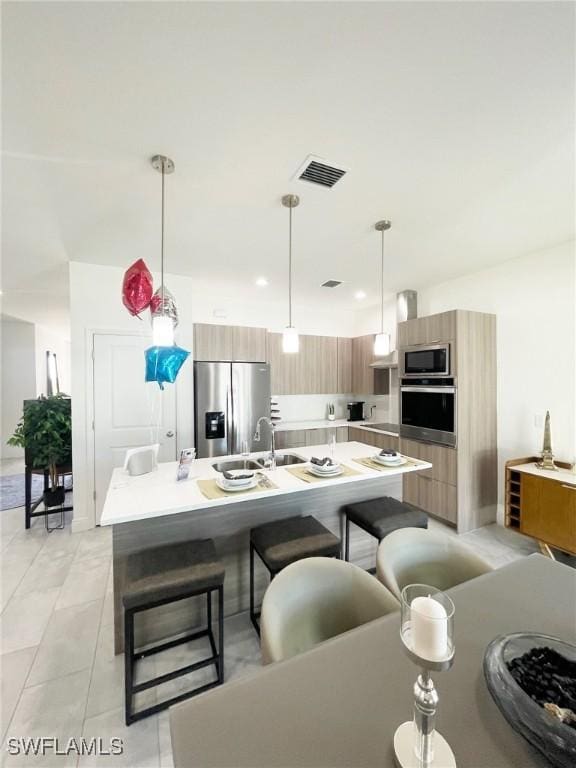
point(318, 171)
point(331, 283)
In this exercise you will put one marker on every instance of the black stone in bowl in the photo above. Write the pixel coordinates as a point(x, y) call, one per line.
point(554, 738)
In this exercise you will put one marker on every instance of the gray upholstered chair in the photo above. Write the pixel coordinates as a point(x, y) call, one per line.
point(317, 598)
point(418, 556)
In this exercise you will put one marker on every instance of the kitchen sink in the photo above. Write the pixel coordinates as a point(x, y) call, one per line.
point(282, 460)
point(287, 459)
point(226, 466)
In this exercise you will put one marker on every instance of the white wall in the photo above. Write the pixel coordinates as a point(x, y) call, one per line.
point(18, 377)
point(96, 305)
point(47, 340)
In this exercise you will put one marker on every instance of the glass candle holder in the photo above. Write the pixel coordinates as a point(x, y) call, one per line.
point(427, 623)
point(427, 632)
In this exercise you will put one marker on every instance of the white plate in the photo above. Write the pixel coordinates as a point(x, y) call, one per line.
point(224, 486)
point(326, 468)
point(397, 462)
point(319, 473)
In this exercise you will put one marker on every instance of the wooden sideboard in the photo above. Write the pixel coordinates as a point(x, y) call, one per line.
point(542, 503)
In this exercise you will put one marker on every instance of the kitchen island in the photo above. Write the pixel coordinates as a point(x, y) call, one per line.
point(154, 509)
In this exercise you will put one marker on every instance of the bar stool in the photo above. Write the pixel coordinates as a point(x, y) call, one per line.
point(379, 517)
point(283, 542)
point(162, 575)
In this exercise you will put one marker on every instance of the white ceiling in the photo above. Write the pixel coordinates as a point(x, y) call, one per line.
point(456, 121)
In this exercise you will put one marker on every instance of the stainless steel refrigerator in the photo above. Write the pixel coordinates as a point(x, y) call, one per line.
point(229, 398)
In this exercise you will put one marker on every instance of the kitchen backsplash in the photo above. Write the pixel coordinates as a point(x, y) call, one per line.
point(315, 407)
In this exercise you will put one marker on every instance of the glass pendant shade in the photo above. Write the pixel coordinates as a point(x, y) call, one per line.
point(162, 331)
point(382, 344)
point(290, 340)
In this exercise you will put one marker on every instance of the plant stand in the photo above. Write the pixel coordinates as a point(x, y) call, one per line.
point(30, 507)
point(53, 511)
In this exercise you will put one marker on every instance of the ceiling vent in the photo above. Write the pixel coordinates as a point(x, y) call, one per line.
point(331, 283)
point(318, 171)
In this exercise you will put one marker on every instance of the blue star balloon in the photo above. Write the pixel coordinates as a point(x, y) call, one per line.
point(163, 363)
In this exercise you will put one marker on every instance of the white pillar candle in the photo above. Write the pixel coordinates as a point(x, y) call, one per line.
point(429, 628)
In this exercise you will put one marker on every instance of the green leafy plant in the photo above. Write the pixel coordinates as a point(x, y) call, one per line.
point(45, 431)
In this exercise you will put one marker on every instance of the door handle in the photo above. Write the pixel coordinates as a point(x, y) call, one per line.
point(169, 433)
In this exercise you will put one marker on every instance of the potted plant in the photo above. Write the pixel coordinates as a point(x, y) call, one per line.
point(45, 431)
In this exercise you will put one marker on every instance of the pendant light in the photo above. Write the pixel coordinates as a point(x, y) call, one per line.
point(290, 340)
point(382, 340)
point(162, 324)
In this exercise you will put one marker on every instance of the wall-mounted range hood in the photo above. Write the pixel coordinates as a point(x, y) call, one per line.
point(406, 309)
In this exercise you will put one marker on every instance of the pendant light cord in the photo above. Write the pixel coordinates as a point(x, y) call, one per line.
point(382, 287)
point(290, 270)
point(162, 245)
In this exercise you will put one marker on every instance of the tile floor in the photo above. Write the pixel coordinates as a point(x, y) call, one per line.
point(59, 673)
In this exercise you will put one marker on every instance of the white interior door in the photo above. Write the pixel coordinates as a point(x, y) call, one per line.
point(128, 412)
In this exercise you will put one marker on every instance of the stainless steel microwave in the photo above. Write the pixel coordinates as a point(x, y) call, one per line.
point(433, 360)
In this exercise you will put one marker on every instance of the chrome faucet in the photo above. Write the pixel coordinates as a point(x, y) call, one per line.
point(257, 438)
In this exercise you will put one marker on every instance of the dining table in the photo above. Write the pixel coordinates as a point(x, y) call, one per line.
point(340, 703)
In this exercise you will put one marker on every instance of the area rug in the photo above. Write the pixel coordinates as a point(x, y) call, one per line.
point(13, 494)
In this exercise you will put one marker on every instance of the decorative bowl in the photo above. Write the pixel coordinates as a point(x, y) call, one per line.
point(554, 738)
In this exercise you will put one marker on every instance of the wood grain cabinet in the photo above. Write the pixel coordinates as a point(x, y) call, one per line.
point(444, 460)
point(462, 485)
point(314, 370)
point(427, 330)
point(236, 343)
point(298, 438)
point(248, 344)
point(344, 376)
point(541, 507)
point(435, 497)
point(362, 356)
point(377, 439)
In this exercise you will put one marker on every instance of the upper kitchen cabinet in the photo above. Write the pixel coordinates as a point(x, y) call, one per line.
point(248, 344)
point(427, 330)
point(344, 366)
point(229, 342)
point(312, 371)
point(362, 356)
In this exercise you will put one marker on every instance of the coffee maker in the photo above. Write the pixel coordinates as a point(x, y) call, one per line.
point(356, 411)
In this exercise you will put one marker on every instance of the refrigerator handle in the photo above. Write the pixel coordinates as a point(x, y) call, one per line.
point(230, 421)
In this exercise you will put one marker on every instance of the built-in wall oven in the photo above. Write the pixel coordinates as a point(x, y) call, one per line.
point(428, 410)
point(433, 360)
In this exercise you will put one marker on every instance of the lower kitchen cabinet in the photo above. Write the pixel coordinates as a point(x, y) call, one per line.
point(378, 440)
point(443, 459)
point(437, 498)
point(298, 438)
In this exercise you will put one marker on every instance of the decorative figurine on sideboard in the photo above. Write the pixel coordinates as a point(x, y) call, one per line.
point(547, 460)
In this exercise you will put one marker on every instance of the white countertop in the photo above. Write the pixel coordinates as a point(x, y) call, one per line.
point(289, 426)
point(158, 493)
point(562, 475)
